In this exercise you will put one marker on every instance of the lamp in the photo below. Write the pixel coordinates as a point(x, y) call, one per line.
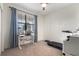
point(44, 5)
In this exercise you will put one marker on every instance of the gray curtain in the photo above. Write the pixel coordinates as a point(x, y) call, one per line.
point(35, 40)
point(13, 36)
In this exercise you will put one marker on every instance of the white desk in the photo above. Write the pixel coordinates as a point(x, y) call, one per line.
point(23, 39)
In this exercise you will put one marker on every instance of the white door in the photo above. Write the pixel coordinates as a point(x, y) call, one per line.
point(0, 31)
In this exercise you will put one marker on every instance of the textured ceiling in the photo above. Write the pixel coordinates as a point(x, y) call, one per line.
point(36, 7)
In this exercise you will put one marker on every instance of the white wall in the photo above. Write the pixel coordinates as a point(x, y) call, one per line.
point(66, 18)
point(40, 28)
point(5, 26)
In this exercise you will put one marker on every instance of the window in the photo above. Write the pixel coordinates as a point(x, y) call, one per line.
point(26, 22)
point(20, 22)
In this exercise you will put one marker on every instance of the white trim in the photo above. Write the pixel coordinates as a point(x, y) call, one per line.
point(0, 31)
point(2, 40)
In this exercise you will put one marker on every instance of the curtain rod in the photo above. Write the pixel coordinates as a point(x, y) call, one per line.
point(21, 10)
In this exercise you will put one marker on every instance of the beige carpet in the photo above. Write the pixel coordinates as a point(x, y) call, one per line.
point(37, 49)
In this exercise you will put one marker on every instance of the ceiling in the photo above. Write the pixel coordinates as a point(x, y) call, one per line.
point(36, 7)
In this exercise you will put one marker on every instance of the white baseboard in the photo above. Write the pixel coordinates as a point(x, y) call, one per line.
point(0, 52)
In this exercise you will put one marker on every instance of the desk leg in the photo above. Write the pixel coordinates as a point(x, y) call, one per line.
point(19, 44)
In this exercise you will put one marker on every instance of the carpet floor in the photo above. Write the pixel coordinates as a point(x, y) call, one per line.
point(37, 49)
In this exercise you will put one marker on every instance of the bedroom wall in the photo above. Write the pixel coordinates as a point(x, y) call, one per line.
point(5, 26)
point(40, 27)
point(66, 18)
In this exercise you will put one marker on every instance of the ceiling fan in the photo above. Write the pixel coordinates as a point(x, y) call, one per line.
point(44, 5)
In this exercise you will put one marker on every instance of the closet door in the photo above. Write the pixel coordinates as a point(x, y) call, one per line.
point(0, 31)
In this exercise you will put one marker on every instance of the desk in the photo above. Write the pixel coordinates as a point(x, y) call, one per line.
point(23, 39)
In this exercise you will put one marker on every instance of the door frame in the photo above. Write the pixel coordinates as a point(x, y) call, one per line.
point(0, 30)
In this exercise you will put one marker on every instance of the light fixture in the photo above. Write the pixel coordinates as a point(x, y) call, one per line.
point(44, 5)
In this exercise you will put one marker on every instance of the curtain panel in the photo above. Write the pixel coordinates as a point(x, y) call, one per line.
point(13, 36)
